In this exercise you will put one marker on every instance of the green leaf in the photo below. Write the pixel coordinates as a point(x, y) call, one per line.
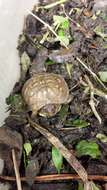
point(49, 62)
point(100, 32)
point(25, 62)
point(62, 26)
point(80, 123)
point(65, 24)
point(88, 148)
point(102, 137)
point(103, 75)
point(103, 15)
point(63, 111)
point(105, 46)
point(94, 187)
point(77, 123)
point(61, 21)
point(57, 159)
point(27, 148)
point(64, 40)
point(15, 101)
point(61, 32)
point(80, 186)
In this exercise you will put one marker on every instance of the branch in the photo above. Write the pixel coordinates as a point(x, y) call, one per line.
point(91, 72)
point(16, 170)
point(56, 177)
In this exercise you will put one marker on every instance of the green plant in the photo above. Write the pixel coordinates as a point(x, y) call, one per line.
point(27, 148)
point(77, 123)
point(87, 148)
point(61, 25)
point(103, 75)
point(57, 159)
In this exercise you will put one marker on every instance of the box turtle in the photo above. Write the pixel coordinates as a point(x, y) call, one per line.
point(44, 93)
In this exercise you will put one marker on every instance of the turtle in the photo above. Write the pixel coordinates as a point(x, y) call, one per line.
point(44, 93)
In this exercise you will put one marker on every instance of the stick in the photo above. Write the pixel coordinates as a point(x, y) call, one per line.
point(18, 181)
point(63, 150)
point(96, 90)
point(91, 102)
point(54, 4)
point(91, 72)
point(56, 177)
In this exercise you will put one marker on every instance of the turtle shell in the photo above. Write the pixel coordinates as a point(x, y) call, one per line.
point(45, 89)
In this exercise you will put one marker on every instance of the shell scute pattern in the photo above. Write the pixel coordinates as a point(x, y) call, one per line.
point(43, 89)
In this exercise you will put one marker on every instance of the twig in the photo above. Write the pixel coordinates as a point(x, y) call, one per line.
point(56, 177)
point(92, 105)
point(73, 21)
point(81, 28)
point(91, 72)
point(100, 93)
point(96, 90)
point(48, 26)
point(63, 150)
point(18, 181)
point(54, 4)
point(91, 102)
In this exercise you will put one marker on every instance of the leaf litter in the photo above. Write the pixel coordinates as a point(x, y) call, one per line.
point(71, 41)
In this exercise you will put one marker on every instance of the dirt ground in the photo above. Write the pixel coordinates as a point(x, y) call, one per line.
point(81, 64)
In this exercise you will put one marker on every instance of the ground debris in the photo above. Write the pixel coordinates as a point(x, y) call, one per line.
point(79, 63)
point(10, 140)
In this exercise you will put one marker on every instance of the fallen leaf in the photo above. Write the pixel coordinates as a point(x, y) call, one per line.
point(94, 186)
point(103, 75)
point(27, 148)
point(102, 137)
point(80, 186)
point(63, 111)
point(16, 102)
point(64, 40)
point(99, 30)
point(57, 159)
point(77, 123)
point(87, 148)
point(61, 21)
point(67, 154)
point(25, 62)
point(49, 62)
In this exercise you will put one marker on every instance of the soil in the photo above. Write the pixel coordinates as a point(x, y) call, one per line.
point(51, 57)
